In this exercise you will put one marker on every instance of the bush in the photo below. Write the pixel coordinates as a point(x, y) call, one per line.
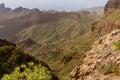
point(110, 68)
point(29, 72)
point(116, 45)
point(6, 50)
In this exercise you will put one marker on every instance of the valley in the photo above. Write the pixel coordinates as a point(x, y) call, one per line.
point(50, 36)
point(74, 45)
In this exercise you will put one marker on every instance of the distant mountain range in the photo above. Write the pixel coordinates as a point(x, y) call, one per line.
point(98, 9)
point(16, 21)
point(3, 9)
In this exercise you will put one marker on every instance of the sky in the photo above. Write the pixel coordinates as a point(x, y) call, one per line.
point(54, 4)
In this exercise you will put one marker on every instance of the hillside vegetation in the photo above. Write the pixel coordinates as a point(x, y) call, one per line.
point(75, 45)
point(62, 57)
point(69, 22)
point(75, 24)
point(59, 39)
point(15, 64)
point(58, 42)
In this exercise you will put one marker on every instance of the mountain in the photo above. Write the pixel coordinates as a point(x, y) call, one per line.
point(59, 39)
point(112, 5)
point(68, 26)
point(3, 9)
point(76, 45)
point(33, 18)
point(110, 18)
point(98, 10)
point(102, 61)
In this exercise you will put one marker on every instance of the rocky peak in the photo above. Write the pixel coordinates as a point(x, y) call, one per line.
point(110, 20)
point(3, 9)
point(19, 9)
point(112, 5)
point(2, 5)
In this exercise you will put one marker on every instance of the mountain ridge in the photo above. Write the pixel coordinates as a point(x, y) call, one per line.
point(112, 5)
point(102, 61)
point(3, 9)
point(98, 10)
point(22, 18)
point(59, 39)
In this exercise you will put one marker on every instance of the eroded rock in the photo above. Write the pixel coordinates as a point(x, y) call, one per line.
point(103, 61)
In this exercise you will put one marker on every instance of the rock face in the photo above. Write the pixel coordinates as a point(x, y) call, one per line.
point(103, 61)
point(110, 20)
point(112, 5)
point(2, 6)
point(3, 9)
point(27, 43)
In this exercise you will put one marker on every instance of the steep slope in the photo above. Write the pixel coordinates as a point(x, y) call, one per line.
point(53, 37)
point(11, 58)
point(102, 61)
point(17, 22)
point(110, 20)
point(53, 42)
point(62, 57)
point(66, 27)
point(111, 6)
point(3, 9)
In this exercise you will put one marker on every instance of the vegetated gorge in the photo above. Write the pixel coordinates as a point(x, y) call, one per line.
point(53, 45)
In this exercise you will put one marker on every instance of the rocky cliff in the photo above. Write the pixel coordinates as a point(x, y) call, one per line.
point(102, 62)
point(3, 9)
point(110, 20)
point(112, 5)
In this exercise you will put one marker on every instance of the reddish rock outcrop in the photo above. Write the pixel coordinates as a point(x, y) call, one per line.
point(112, 5)
point(102, 62)
point(110, 20)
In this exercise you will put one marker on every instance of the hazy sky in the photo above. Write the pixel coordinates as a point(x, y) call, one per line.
point(54, 4)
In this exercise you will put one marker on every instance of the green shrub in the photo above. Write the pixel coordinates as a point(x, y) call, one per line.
point(116, 45)
point(6, 50)
point(29, 72)
point(109, 68)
